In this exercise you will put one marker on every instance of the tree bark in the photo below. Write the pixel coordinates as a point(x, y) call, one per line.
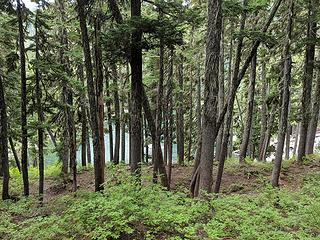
point(116, 156)
point(165, 134)
point(4, 162)
point(284, 111)
point(98, 147)
point(136, 74)
point(67, 99)
point(72, 140)
point(194, 184)
point(190, 117)
point(265, 145)
point(307, 81)
point(264, 105)
point(24, 127)
point(220, 94)
point(123, 136)
point(64, 146)
point(199, 98)
point(39, 111)
point(129, 127)
point(296, 140)
point(88, 146)
point(211, 88)
point(314, 115)
point(123, 128)
point(142, 138)
point(146, 143)
point(158, 120)
point(152, 130)
point(237, 77)
point(169, 114)
point(136, 89)
point(248, 124)
point(170, 140)
point(109, 116)
point(199, 124)
point(180, 113)
point(229, 114)
point(288, 136)
point(84, 127)
point(15, 155)
point(99, 164)
point(230, 146)
point(115, 11)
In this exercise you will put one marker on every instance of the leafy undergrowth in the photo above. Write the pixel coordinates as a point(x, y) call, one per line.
point(126, 210)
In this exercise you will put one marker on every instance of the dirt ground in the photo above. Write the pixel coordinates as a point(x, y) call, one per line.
point(236, 179)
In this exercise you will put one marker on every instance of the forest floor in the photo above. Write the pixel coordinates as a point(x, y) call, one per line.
point(247, 208)
point(236, 179)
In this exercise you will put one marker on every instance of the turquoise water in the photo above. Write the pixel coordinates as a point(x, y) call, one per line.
point(52, 157)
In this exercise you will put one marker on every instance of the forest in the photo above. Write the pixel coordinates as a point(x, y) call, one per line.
point(159, 119)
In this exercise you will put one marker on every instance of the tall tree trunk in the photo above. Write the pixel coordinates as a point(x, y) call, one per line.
point(158, 120)
point(230, 142)
point(230, 146)
point(314, 115)
point(135, 10)
point(229, 114)
point(170, 140)
point(199, 125)
point(15, 155)
point(67, 98)
point(264, 90)
point(307, 80)
point(265, 145)
point(237, 77)
point(24, 127)
point(123, 134)
point(65, 151)
point(211, 82)
point(136, 86)
point(39, 111)
point(169, 114)
point(123, 125)
point(152, 130)
point(296, 138)
point(84, 127)
point(142, 138)
point(98, 147)
point(284, 111)
point(136, 89)
point(180, 112)
point(288, 136)
point(129, 126)
point(83, 140)
point(72, 139)
point(88, 147)
point(248, 124)
point(190, 117)
point(109, 116)
point(220, 94)
point(165, 134)
point(117, 115)
point(146, 143)
point(4, 160)
point(100, 164)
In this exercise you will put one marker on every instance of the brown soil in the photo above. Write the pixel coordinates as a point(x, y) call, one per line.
point(236, 179)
